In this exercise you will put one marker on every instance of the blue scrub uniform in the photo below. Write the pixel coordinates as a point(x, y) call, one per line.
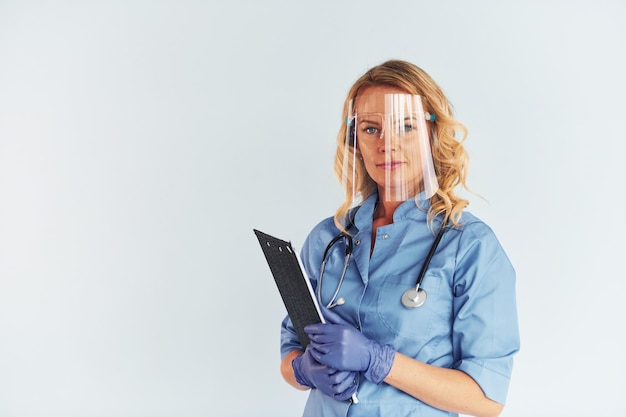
point(469, 320)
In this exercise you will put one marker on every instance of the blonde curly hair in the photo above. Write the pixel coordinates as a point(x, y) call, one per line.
point(449, 155)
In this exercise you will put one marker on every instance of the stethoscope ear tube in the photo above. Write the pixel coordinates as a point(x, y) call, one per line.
point(332, 303)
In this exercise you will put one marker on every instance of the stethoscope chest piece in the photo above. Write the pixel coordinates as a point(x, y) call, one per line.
point(413, 298)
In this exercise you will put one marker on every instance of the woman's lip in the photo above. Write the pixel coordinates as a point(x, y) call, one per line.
point(390, 165)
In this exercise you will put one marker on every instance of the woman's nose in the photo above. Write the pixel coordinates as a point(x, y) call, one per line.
point(388, 140)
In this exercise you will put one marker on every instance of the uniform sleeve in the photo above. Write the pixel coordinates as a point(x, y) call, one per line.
point(485, 329)
point(288, 339)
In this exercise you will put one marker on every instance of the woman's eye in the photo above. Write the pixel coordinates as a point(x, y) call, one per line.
point(370, 130)
point(408, 128)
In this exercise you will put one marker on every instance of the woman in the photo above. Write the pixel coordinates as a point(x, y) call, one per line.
point(437, 348)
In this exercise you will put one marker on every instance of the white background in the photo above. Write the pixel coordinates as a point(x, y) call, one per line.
point(141, 142)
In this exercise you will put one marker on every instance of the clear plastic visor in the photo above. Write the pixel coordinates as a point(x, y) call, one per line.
point(387, 139)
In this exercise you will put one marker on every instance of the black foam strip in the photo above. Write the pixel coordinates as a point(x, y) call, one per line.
point(291, 283)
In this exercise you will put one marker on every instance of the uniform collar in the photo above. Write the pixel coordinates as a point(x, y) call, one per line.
point(413, 209)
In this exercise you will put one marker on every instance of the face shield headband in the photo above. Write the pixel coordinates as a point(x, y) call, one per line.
point(387, 139)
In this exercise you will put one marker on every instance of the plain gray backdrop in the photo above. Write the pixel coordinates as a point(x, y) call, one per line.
point(142, 141)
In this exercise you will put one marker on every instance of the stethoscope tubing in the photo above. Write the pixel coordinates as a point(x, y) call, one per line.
point(430, 255)
point(412, 298)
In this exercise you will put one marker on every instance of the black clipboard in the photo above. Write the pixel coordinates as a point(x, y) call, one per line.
point(293, 285)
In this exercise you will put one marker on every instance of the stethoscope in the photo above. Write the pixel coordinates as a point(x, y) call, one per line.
point(412, 298)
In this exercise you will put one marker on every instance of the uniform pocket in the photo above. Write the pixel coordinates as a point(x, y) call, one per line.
point(410, 323)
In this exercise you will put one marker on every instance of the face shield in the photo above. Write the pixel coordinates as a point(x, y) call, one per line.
point(387, 137)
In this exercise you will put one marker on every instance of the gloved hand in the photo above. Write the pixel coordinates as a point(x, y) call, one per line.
point(340, 345)
point(339, 385)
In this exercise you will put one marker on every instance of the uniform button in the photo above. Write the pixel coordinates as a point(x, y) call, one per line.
point(357, 327)
point(357, 242)
point(385, 236)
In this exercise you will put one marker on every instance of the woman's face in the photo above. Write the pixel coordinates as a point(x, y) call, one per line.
point(388, 135)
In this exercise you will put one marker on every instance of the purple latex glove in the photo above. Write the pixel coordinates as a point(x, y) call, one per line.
point(339, 385)
point(340, 345)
